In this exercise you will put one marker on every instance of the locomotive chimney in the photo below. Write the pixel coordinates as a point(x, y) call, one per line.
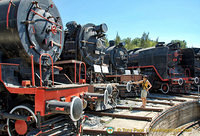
point(111, 43)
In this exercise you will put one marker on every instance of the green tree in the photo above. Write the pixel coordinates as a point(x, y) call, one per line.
point(128, 43)
point(182, 43)
point(136, 42)
point(106, 41)
point(144, 40)
point(117, 39)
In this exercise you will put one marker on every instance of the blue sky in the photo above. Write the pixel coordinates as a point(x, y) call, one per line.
point(166, 19)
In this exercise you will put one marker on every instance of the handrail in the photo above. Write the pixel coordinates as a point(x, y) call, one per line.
point(75, 72)
point(80, 70)
point(187, 69)
point(171, 71)
point(46, 54)
point(32, 69)
point(75, 62)
point(8, 13)
point(150, 66)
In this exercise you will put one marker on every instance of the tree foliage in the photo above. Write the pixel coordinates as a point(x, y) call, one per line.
point(117, 39)
point(106, 41)
point(182, 43)
point(143, 42)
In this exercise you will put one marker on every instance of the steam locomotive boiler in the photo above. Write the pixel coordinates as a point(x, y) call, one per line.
point(168, 67)
point(84, 50)
point(117, 58)
point(31, 103)
point(86, 43)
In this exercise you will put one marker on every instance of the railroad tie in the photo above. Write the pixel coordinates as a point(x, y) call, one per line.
point(120, 116)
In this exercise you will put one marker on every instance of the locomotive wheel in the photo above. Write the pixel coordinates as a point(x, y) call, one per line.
point(128, 86)
point(106, 99)
point(20, 127)
point(115, 94)
point(165, 88)
point(109, 88)
point(180, 81)
point(196, 80)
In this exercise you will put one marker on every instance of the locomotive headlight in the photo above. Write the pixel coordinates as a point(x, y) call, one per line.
point(180, 81)
point(102, 28)
point(196, 80)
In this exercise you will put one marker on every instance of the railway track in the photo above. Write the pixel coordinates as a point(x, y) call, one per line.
point(128, 118)
point(188, 129)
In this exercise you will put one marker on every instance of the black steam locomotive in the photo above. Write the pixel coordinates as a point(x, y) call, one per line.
point(31, 102)
point(170, 68)
point(82, 59)
point(117, 58)
point(86, 43)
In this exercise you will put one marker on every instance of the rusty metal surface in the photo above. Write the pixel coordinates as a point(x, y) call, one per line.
point(126, 78)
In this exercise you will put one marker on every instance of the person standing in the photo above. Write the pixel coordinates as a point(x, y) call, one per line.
point(146, 86)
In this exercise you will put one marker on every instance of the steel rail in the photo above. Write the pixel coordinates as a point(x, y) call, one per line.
point(149, 101)
point(169, 99)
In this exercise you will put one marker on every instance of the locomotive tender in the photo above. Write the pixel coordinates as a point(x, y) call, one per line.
point(170, 68)
point(31, 103)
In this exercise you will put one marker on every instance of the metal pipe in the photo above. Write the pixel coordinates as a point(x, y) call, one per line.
point(73, 108)
point(14, 116)
point(94, 95)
